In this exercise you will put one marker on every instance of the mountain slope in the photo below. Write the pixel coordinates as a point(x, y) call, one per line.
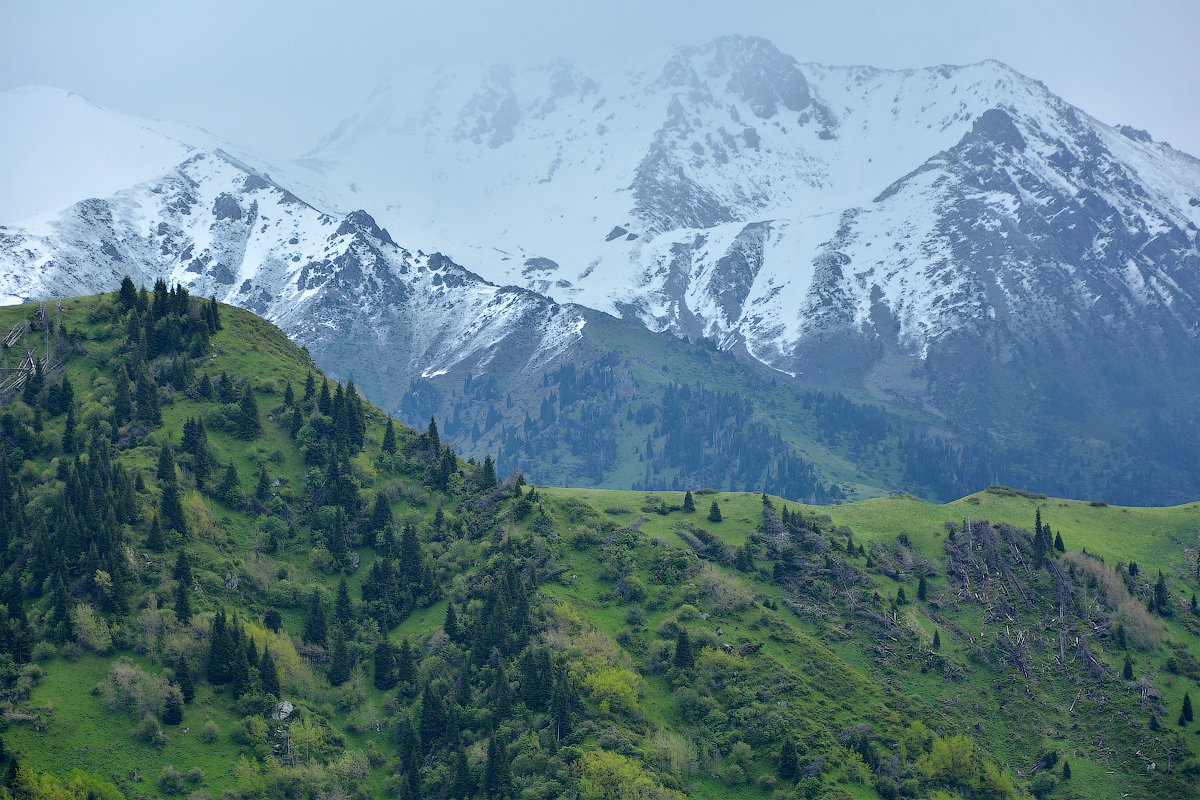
point(564, 642)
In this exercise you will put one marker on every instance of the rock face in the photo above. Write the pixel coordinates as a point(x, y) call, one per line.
point(954, 242)
point(364, 306)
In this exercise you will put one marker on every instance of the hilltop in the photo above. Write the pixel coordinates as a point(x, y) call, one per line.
point(215, 556)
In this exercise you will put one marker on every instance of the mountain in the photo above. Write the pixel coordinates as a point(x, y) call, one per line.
point(338, 284)
point(954, 240)
point(1006, 287)
point(224, 574)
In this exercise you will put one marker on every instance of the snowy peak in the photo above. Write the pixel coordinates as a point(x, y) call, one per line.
point(750, 69)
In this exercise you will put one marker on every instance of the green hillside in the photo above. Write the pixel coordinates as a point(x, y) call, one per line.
point(196, 526)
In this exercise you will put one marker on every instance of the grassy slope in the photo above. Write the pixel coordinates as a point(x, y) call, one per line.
point(834, 679)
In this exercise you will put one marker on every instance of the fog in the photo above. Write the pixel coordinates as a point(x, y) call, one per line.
point(274, 76)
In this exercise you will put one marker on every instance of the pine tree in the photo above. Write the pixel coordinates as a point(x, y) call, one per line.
point(1066, 771)
point(273, 620)
point(183, 677)
point(901, 598)
point(1127, 669)
point(68, 438)
point(230, 488)
point(268, 674)
point(1121, 635)
point(310, 387)
point(173, 706)
point(714, 512)
point(689, 503)
point(431, 433)
point(937, 639)
point(166, 466)
point(220, 650)
point(172, 510)
point(450, 626)
point(339, 663)
point(921, 589)
point(1187, 707)
point(289, 396)
point(385, 665)
point(433, 718)
point(389, 438)
point(155, 542)
point(122, 403)
point(405, 669)
point(1058, 543)
point(683, 659)
point(1162, 601)
point(249, 425)
point(316, 629)
point(497, 777)
point(463, 785)
point(239, 672)
point(262, 491)
point(788, 761)
point(183, 586)
point(343, 609)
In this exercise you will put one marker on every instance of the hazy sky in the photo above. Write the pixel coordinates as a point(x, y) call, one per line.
point(275, 75)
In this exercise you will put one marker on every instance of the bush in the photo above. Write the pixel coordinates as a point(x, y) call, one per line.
point(44, 651)
point(210, 733)
point(171, 780)
point(195, 775)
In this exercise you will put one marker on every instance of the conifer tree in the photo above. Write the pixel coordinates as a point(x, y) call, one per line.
point(324, 400)
point(714, 512)
point(463, 785)
point(289, 396)
point(122, 403)
point(1121, 635)
point(431, 433)
point(433, 718)
point(183, 587)
point(389, 438)
point(155, 542)
point(273, 620)
point(1066, 770)
point(343, 609)
point(497, 776)
point(689, 503)
point(171, 510)
point(310, 387)
point(385, 665)
point(239, 672)
point(173, 706)
point(901, 598)
point(220, 650)
point(262, 491)
point(230, 488)
point(339, 663)
point(1127, 669)
point(249, 424)
point(450, 626)
point(268, 674)
point(683, 659)
point(1058, 543)
point(316, 629)
point(1186, 713)
point(922, 589)
point(166, 465)
point(405, 669)
point(788, 761)
point(68, 439)
point(1162, 601)
point(183, 677)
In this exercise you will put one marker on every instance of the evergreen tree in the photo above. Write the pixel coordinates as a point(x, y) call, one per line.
point(714, 512)
point(463, 785)
point(385, 665)
point(1058, 543)
point(389, 438)
point(166, 466)
point(922, 589)
point(339, 663)
point(789, 763)
point(1121, 635)
point(262, 491)
point(1186, 713)
point(343, 609)
point(405, 669)
point(433, 718)
point(289, 396)
point(230, 488)
point(268, 674)
point(127, 295)
point(1162, 601)
point(901, 598)
point(937, 639)
point(1066, 770)
point(249, 425)
point(310, 387)
point(1127, 669)
point(183, 677)
point(431, 433)
point(689, 503)
point(497, 776)
point(273, 620)
point(155, 542)
point(239, 672)
point(183, 586)
point(324, 400)
point(316, 629)
point(683, 652)
point(173, 706)
point(450, 626)
point(122, 403)
point(220, 650)
point(68, 438)
point(172, 510)
point(560, 708)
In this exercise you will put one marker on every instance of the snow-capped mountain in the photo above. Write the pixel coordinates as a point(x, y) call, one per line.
point(711, 193)
point(365, 306)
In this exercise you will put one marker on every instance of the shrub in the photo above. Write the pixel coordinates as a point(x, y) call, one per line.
point(171, 780)
point(210, 733)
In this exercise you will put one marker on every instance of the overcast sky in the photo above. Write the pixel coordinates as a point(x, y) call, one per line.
point(275, 75)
